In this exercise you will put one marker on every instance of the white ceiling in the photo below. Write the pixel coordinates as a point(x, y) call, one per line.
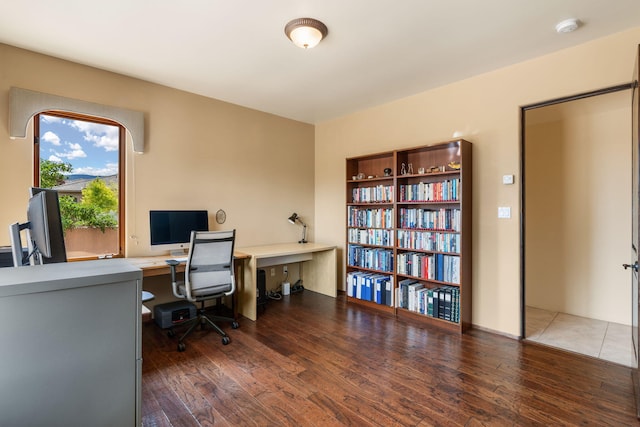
point(236, 50)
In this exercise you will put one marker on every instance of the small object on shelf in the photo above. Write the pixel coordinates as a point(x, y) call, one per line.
point(420, 170)
point(360, 175)
point(454, 165)
point(410, 171)
point(403, 169)
point(354, 177)
point(371, 177)
point(387, 171)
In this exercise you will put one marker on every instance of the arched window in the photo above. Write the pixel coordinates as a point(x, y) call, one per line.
point(82, 157)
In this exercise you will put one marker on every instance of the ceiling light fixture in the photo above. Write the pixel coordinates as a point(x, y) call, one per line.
point(305, 32)
point(567, 26)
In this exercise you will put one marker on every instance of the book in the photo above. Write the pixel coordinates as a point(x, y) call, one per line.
point(403, 296)
point(388, 299)
point(413, 302)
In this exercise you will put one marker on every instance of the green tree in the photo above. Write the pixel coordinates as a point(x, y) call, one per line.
point(99, 195)
point(76, 214)
point(52, 173)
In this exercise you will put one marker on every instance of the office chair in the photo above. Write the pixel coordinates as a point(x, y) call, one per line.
point(208, 275)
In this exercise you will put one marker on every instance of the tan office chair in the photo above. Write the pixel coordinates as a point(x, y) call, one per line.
point(208, 275)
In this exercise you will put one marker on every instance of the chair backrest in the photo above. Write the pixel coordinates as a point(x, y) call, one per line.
point(209, 271)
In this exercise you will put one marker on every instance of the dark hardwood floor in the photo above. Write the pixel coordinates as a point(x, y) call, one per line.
point(312, 360)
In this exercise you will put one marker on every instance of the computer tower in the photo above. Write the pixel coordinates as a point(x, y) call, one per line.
point(261, 290)
point(174, 313)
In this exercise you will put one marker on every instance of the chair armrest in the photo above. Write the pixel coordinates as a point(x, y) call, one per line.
point(172, 265)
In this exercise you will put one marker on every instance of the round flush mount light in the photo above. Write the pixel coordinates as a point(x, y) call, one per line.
point(567, 26)
point(305, 32)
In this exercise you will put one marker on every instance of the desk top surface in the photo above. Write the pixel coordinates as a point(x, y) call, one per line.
point(160, 261)
point(65, 275)
point(281, 249)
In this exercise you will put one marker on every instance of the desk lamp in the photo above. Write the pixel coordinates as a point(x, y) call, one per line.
point(292, 219)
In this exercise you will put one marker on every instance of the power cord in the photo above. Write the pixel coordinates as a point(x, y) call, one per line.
point(274, 295)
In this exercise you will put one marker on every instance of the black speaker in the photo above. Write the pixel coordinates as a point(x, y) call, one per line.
point(261, 290)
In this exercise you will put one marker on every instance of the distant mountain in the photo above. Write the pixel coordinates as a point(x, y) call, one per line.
point(73, 177)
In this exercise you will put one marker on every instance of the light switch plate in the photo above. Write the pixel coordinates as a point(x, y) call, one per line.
point(504, 212)
point(507, 179)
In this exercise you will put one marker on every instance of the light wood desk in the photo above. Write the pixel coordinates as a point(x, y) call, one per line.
point(157, 266)
point(317, 269)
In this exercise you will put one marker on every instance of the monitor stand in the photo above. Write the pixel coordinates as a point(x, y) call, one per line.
point(178, 253)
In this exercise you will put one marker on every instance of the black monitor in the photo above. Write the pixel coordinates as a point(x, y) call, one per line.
point(18, 253)
point(39, 225)
point(171, 229)
point(48, 222)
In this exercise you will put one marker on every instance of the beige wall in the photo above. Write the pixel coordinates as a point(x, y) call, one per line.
point(200, 154)
point(260, 168)
point(486, 111)
point(578, 207)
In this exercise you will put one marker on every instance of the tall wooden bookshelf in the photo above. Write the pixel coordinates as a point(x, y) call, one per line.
point(408, 233)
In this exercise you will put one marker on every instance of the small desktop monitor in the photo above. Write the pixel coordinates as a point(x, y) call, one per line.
point(52, 217)
point(171, 229)
point(16, 244)
point(39, 225)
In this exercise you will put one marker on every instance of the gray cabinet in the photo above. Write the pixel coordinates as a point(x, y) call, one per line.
point(71, 347)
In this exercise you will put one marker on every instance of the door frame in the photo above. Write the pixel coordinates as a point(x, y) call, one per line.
point(523, 111)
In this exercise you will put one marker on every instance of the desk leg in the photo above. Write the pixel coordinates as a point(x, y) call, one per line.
point(248, 300)
point(319, 274)
point(239, 277)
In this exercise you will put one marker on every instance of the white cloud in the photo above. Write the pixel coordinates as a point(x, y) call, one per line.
point(109, 169)
point(103, 136)
point(75, 152)
point(108, 142)
point(51, 119)
point(55, 158)
point(51, 138)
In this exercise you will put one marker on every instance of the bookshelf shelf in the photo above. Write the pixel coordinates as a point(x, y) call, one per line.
point(418, 227)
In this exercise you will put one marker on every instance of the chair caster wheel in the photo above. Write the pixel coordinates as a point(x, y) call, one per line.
point(235, 325)
point(171, 333)
point(225, 340)
point(181, 347)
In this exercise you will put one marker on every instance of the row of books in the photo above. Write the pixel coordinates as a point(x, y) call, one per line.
point(440, 267)
point(440, 219)
point(429, 241)
point(371, 258)
point(368, 217)
point(379, 194)
point(370, 287)
point(371, 236)
point(442, 302)
point(447, 190)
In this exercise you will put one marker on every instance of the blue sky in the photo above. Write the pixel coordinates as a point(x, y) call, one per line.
point(91, 148)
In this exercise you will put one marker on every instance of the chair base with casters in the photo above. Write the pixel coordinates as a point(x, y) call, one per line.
point(203, 319)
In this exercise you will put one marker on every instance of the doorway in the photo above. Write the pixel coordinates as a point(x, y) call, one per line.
point(576, 221)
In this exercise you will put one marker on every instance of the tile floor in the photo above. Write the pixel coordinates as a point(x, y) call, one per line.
point(596, 338)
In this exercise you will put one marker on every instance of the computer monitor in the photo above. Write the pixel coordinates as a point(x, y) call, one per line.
point(39, 226)
point(58, 251)
point(16, 244)
point(171, 229)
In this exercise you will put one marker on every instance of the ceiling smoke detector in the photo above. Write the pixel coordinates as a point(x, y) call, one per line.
point(567, 26)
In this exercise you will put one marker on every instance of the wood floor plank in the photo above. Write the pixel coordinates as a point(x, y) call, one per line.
point(312, 360)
